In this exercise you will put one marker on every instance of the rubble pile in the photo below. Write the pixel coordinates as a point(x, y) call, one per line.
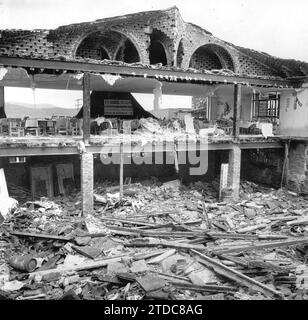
point(161, 241)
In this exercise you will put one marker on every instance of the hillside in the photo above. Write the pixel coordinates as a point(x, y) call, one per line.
point(20, 110)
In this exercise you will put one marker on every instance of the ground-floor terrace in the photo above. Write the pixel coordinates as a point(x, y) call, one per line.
point(153, 214)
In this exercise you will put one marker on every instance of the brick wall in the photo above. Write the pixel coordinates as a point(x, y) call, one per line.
point(298, 167)
point(263, 166)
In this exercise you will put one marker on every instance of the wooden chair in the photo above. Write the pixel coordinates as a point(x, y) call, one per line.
point(15, 128)
point(74, 126)
point(62, 126)
point(50, 127)
point(32, 127)
point(4, 127)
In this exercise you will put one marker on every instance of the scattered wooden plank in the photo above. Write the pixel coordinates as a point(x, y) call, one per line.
point(236, 276)
point(302, 221)
point(89, 265)
point(205, 287)
point(252, 228)
point(260, 246)
point(162, 257)
point(127, 221)
point(41, 236)
point(205, 215)
point(166, 244)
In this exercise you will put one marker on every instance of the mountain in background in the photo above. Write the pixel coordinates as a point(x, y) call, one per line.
point(20, 110)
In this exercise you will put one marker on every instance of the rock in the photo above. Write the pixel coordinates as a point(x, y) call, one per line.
point(14, 285)
point(151, 283)
point(82, 241)
point(73, 260)
point(7, 205)
point(116, 267)
point(139, 266)
point(249, 213)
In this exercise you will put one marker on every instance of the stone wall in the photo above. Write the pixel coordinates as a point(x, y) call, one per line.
point(298, 167)
point(263, 166)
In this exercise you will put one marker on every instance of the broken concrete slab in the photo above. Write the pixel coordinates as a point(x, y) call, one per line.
point(116, 267)
point(151, 283)
point(139, 266)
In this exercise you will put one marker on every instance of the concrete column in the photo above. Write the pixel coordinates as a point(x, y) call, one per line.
point(237, 109)
point(87, 182)
point(2, 110)
point(86, 106)
point(157, 97)
point(234, 170)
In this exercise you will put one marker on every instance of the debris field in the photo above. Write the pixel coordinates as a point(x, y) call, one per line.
point(160, 241)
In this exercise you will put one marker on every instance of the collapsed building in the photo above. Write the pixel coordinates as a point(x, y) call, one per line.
point(250, 108)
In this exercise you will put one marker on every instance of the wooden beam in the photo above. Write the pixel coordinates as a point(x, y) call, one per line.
point(86, 105)
point(9, 150)
point(237, 109)
point(2, 110)
point(236, 276)
point(138, 71)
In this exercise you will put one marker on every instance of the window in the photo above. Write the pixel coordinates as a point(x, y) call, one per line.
point(266, 107)
point(202, 107)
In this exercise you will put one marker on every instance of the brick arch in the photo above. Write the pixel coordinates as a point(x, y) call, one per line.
point(161, 38)
point(226, 56)
point(113, 47)
point(211, 56)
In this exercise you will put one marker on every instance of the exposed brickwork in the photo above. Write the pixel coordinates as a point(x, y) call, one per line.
point(87, 182)
point(185, 44)
point(234, 174)
point(297, 171)
point(263, 166)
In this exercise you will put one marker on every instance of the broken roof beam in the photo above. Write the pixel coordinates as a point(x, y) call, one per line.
point(236, 276)
point(159, 74)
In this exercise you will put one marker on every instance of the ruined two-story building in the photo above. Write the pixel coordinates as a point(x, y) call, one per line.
point(255, 106)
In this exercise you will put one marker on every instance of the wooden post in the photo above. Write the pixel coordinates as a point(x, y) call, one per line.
point(86, 106)
point(237, 109)
point(2, 110)
point(121, 170)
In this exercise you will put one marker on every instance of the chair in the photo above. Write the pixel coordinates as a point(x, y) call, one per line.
point(32, 127)
point(62, 126)
point(4, 129)
point(50, 127)
point(74, 126)
point(15, 128)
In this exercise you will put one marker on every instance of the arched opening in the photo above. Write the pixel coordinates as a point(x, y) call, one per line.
point(104, 54)
point(108, 45)
point(210, 57)
point(157, 53)
point(128, 53)
point(180, 54)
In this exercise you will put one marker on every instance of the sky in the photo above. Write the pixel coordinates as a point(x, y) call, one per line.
point(278, 27)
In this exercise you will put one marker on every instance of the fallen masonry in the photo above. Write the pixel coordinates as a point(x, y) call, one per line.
point(162, 241)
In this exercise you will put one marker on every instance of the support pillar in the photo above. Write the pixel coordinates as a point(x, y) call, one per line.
point(237, 109)
point(234, 174)
point(157, 97)
point(2, 110)
point(87, 182)
point(86, 105)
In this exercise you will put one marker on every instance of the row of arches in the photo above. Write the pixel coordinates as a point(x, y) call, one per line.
point(113, 45)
